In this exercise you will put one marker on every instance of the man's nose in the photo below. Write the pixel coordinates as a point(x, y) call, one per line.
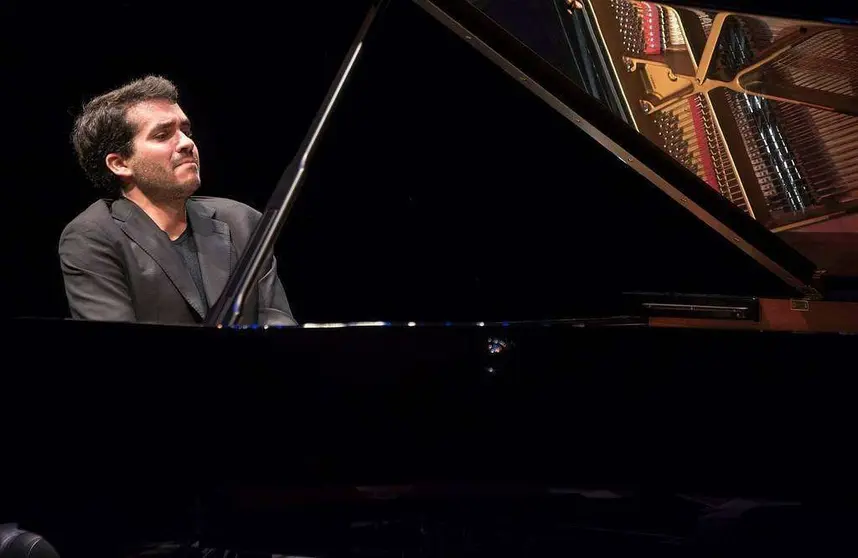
point(185, 142)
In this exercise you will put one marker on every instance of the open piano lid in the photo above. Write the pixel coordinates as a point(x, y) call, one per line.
point(762, 109)
point(458, 174)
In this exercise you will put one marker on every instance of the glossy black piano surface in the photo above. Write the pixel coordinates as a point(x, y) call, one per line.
point(387, 403)
point(274, 430)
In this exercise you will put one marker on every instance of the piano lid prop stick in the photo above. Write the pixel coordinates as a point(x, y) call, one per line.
point(229, 308)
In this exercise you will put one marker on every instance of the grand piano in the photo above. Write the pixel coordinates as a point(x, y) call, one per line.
point(645, 216)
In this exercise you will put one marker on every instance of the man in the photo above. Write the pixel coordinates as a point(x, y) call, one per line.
point(151, 251)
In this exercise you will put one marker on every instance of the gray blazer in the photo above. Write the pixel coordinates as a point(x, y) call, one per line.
point(118, 265)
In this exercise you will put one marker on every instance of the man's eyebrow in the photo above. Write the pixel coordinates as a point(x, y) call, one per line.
point(162, 125)
point(184, 123)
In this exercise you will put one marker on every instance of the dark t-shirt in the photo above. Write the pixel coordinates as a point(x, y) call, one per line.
point(187, 249)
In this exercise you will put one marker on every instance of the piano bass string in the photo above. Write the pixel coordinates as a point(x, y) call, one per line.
point(763, 110)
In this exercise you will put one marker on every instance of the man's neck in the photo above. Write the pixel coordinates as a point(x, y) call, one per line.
point(169, 215)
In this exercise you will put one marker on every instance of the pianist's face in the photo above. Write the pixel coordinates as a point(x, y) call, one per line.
point(165, 163)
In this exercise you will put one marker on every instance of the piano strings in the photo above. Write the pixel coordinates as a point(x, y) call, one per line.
point(764, 110)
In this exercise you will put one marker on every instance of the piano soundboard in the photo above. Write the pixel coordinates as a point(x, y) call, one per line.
point(763, 109)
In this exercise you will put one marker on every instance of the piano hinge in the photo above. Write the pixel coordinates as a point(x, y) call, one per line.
point(815, 289)
point(810, 293)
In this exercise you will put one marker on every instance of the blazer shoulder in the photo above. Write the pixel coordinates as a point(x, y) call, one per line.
point(94, 219)
point(227, 209)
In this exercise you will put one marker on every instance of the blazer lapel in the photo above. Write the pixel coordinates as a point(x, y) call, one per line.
point(214, 246)
point(141, 229)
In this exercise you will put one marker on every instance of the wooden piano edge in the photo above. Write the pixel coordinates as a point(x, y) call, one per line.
point(780, 315)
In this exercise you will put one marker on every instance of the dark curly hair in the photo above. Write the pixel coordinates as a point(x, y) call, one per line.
point(102, 127)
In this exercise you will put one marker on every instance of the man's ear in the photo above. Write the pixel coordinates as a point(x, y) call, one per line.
point(118, 165)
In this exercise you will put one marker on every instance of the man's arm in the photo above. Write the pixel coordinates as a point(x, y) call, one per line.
point(273, 305)
point(94, 280)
